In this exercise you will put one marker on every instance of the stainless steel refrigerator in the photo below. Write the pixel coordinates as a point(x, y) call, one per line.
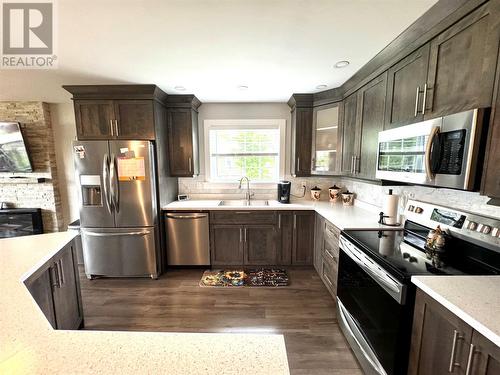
point(118, 207)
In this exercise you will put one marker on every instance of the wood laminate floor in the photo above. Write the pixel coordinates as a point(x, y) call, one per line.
point(303, 312)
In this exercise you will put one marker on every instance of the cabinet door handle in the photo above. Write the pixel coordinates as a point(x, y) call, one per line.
point(245, 234)
point(111, 127)
point(470, 359)
point(61, 270)
point(241, 236)
point(56, 283)
point(424, 99)
point(298, 164)
point(279, 221)
point(294, 221)
point(190, 166)
point(456, 337)
point(416, 101)
point(116, 128)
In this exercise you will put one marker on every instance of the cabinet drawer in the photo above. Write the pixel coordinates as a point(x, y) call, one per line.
point(332, 232)
point(330, 252)
point(329, 277)
point(243, 217)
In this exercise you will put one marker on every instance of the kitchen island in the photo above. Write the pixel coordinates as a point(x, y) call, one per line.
point(30, 345)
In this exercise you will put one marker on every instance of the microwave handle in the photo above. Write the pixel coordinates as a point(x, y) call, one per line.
point(428, 153)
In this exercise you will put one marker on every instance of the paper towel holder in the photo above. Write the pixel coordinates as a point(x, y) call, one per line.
point(381, 220)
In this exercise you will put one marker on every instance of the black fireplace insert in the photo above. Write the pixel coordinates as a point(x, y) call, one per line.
point(15, 222)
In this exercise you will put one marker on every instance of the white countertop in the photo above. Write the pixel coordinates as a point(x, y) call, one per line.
point(474, 299)
point(343, 217)
point(29, 345)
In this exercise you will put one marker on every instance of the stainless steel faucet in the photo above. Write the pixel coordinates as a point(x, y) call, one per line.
point(248, 195)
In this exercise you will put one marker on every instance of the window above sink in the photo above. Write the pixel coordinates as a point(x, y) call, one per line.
point(252, 148)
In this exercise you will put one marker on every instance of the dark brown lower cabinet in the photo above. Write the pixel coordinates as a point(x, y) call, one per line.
point(56, 290)
point(226, 244)
point(318, 242)
point(260, 245)
point(265, 238)
point(303, 237)
point(243, 244)
point(444, 344)
point(285, 236)
point(485, 356)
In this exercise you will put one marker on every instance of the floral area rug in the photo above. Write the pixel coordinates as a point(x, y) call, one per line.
point(272, 277)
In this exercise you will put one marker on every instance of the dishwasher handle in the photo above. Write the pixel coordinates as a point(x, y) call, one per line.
point(186, 216)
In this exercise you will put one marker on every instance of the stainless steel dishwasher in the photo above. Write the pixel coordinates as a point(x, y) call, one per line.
point(187, 239)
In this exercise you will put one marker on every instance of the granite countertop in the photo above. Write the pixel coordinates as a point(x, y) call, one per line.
point(343, 217)
point(30, 345)
point(474, 299)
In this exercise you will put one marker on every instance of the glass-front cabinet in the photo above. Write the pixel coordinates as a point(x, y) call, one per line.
point(326, 140)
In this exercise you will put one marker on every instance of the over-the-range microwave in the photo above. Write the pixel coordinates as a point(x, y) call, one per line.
point(443, 152)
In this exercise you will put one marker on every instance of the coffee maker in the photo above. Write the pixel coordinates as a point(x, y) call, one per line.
point(284, 188)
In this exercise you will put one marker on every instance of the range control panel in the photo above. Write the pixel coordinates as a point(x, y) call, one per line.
point(482, 228)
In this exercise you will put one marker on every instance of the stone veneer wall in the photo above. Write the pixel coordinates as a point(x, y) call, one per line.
point(36, 123)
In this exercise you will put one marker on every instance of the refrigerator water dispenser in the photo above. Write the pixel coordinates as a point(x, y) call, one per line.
point(91, 190)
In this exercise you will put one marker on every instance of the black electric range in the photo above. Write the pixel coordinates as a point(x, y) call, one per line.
point(402, 253)
point(375, 296)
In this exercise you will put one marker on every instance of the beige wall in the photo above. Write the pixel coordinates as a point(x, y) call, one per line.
point(63, 124)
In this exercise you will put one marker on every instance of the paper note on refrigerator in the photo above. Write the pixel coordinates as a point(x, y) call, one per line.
point(131, 169)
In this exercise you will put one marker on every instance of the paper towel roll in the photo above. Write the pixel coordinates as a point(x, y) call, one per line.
point(390, 208)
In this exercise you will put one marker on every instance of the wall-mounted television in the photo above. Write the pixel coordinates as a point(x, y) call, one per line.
point(13, 153)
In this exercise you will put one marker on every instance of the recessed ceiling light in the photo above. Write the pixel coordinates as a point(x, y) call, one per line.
point(341, 64)
point(321, 87)
point(180, 88)
point(243, 87)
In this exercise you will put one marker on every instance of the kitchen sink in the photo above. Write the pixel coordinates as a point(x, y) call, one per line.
point(243, 202)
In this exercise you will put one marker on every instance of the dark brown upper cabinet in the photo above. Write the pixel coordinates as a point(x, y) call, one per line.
point(405, 89)
point(301, 129)
point(490, 183)
point(349, 131)
point(370, 121)
point(116, 111)
point(94, 119)
point(462, 64)
point(182, 120)
point(134, 119)
point(326, 139)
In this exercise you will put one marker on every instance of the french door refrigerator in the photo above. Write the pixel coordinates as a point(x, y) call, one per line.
point(118, 207)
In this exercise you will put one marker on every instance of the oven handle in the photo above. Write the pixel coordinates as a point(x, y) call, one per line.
point(348, 322)
point(428, 153)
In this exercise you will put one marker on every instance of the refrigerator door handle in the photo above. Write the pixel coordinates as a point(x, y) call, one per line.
point(115, 234)
point(105, 182)
point(115, 189)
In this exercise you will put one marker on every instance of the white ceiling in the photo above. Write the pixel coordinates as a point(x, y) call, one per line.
point(275, 47)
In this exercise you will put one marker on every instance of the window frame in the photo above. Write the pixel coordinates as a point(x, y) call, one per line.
point(244, 124)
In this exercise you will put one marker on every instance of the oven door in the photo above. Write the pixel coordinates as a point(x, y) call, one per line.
point(375, 323)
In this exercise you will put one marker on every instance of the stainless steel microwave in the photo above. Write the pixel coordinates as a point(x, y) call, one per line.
point(440, 152)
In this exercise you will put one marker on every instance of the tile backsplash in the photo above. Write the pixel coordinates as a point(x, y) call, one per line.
point(366, 193)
